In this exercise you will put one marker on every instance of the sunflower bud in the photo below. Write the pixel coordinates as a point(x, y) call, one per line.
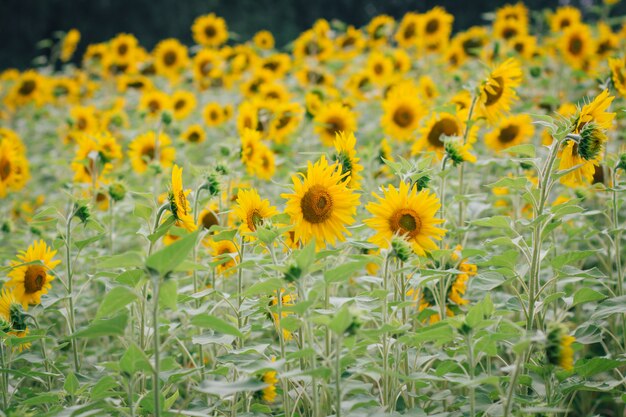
point(117, 191)
point(400, 249)
point(166, 118)
point(293, 273)
point(535, 72)
point(591, 140)
point(213, 183)
point(17, 317)
point(82, 212)
point(355, 323)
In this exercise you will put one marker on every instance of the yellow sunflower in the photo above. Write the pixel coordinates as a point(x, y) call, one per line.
point(252, 211)
point(209, 217)
point(618, 74)
point(210, 30)
point(510, 131)
point(430, 136)
point(30, 282)
point(564, 17)
point(408, 31)
point(345, 156)
point(497, 92)
point(380, 68)
point(194, 134)
point(407, 213)
point(268, 394)
point(144, 150)
point(435, 29)
point(179, 205)
point(123, 49)
point(12, 318)
point(402, 111)
point(509, 28)
point(30, 87)
point(225, 252)
point(263, 39)
point(380, 29)
point(14, 167)
point(576, 44)
point(517, 12)
point(183, 103)
point(559, 347)
point(332, 118)
point(154, 103)
point(321, 205)
point(213, 114)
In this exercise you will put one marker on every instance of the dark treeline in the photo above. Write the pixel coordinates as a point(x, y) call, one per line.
point(25, 22)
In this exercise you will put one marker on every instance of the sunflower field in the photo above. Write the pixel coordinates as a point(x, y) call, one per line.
point(388, 220)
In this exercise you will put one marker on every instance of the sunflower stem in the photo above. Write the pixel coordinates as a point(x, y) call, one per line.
point(338, 376)
point(4, 378)
point(618, 250)
point(156, 340)
point(196, 287)
point(70, 287)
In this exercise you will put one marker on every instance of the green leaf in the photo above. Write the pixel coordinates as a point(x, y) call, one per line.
point(134, 360)
point(71, 384)
point(340, 321)
point(168, 258)
point(168, 294)
point(306, 256)
point(123, 260)
point(609, 307)
point(590, 367)
point(224, 235)
point(586, 295)
point(162, 229)
point(115, 300)
point(498, 222)
point(269, 286)
point(81, 244)
point(524, 150)
point(343, 272)
point(209, 321)
point(570, 257)
point(104, 327)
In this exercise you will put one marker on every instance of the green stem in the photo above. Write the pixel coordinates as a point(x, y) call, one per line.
point(512, 384)
point(155, 322)
point(470, 354)
point(338, 377)
point(4, 378)
point(70, 286)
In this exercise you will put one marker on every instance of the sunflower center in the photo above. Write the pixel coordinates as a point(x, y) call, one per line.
point(34, 279)
point(405, 222)
point(471, 45)
point(575, 45)
point(311, 48)
point(254, 219)
point(316, 205)
point(122, 49)
point(564, 23)
point(193, 137)
point(348, 42)
point(498, 90)
point(209, 219)
point(148, 152)
point(5, 169)
point(519, 47)
point(508, 134)
point(81, 123)
point(403, 116)
point(445, 126)
point(409, 31)
point(508, 33)
point(27, 87)
point(334, 124)
point(179, 104)
point(432, 26)
point(154, 106)
point(169, 58)
point(210, 31)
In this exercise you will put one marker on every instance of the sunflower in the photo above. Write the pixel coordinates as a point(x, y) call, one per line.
point(517, 12)
point(183, 103)
point(430, 136)
point(321, 205)
point(263, 39)
point(332, 118)
point(29, 87)
point(247, 116)
point(408, 31)
point(194, 134)
point(596, 112)
point(380, 29)
point(524, 45)
point(472, 41)
point(139, 82)
point(380, 68)
point(268, 394)
point(459, 286)
point(576, 44)
point(287, 117)
point(213, 114)
point(209, 217)
point(435, 28)
point(252, 211)
point(92, 161)
point(279, 64)
point(607, 42)
point(559, 347)
point(345, 156)
point(497, 92)
point(207, 67)
point(564, 17)
point(287, 300)
point(408, 213)
point(143, 151)
point(618, 74)
point(266, 163)
point(224, 253)
point(180, 207)
point(510, 131)
point(427, 89)
point(70, 41)
point(509, 28)
point(12, 317)
point(14, 167)
point(402, 111)
point(349, 44)
point(310, 46)
point(154, 103)
point(30, 282)
point(210, 30)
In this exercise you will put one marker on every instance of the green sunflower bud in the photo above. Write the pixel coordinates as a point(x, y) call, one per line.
point(400, 249)
point(591, 140)
point(117, 191)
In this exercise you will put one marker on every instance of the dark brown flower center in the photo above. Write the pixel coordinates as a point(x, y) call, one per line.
point(34, 279)
point(209, 219)
point(254, 219)
point(5, 169)
point(170, 58)
point(334, 124)
point(210, 31)
point(403, 116)
point(148, 152)
point(575, 45)
point(316, 205)
point(27, 87)
point(432, 26)
point(508, 134)
point(498, 90)
point(405, 222)
point(445, 126)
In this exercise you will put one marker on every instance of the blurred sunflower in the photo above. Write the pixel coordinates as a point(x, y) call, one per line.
point(402, 111)
point(497, 91)
point(252, 211)
point(576, 44)
point(345, 156)
point(225, 255)
point(145, 149)
point(183, 103)
point(510, 131)
point(618, 74)
point(194, 134)
point(564, 17)
point(68, 46)
point(209, 30)
point(333, 118)
point(407, 213)
point(179, 205)
point(263, 39)
point(435, 29)
point(430, 136)
point(559, 347)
